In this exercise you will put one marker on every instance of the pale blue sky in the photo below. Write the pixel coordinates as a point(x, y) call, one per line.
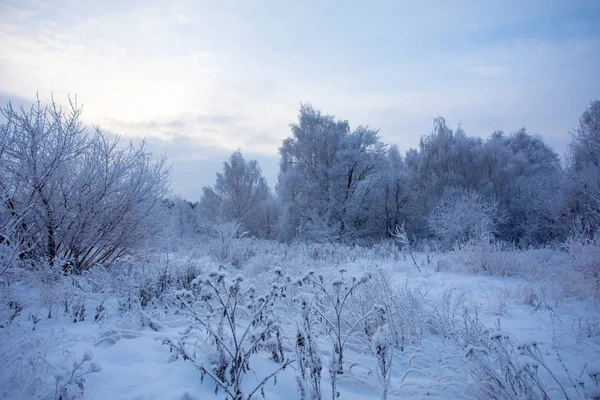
point(200, 79)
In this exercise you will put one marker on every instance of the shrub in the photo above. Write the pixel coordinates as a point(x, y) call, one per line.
point(236, 323)
point(584, 249)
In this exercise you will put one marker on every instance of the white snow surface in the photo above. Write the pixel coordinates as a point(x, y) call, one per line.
point(135, 364)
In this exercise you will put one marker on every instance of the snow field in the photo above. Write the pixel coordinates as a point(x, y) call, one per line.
point(453, 334)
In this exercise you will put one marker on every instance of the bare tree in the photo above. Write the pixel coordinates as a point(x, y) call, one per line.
point(44, 142)
point(89, 199)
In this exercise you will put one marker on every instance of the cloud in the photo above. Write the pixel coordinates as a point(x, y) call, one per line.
point(204, 78)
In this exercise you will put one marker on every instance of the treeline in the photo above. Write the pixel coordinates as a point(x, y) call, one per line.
point(74, 199)
point(336, 183)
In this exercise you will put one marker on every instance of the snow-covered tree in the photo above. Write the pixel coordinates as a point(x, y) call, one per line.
point(115, 201)
point(362, 156)
point(519, 171)
point(396, 190)
point(584, 148)
point(305, 181)
point(183, 216)
point(389, 197)
point(89, 200)
point(323, 176)
point(445, 158)
point(526, 178)
point(583, 183)
point(240, 194)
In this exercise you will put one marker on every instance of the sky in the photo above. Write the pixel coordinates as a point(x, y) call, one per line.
point(201, 79)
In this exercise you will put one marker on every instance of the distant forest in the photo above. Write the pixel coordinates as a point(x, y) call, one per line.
point(336, 183)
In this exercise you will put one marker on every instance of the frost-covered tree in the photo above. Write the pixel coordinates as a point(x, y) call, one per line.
point(445, 158)
point(240, 193)
point(41, 144)
point(183, 216)
point(583, 172)
point(324, 176)
point(526, 177)
point(118, 191)
point(392, 196)
point(13, 239)
point(362, 156)
point(305, 182)
point(519, 171)
point(396, 189)
point(448, 158)
point(88, 200)
point(584, 148)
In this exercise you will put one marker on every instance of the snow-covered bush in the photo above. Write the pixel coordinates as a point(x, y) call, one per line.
point(60, 292)
point(11, 295)
point(457, 321)
point(233, 322)
point(332, 310)
point(584, 249)
point(382, 348)
point(489, 255)
point(308, 354)
point(500, 370)
point(387, 250)
point(462, 215)
point(405, 313)
point(70, 379)
point(33, 367)
point(222, 247)
point(13, 245)
point(445, 313)
point(401, 236)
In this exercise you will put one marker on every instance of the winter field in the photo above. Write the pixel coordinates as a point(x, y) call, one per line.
point(467, 269)
point(478, 322)
point(307, 200)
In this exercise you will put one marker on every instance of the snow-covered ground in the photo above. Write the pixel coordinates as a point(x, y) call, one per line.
point(452, 333)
